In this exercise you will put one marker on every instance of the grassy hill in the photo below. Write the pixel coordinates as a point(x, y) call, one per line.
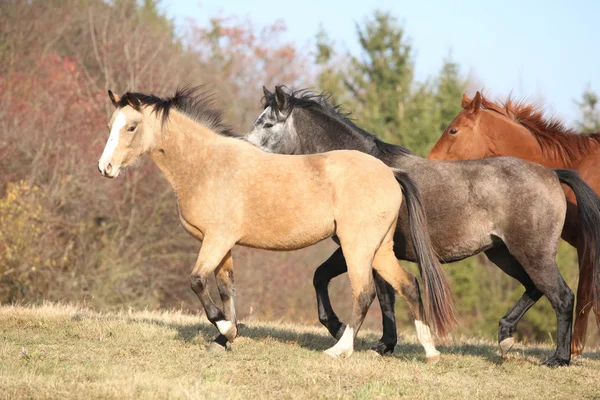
point(58, 351)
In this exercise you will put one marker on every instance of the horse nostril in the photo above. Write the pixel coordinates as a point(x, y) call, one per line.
point(109, 168)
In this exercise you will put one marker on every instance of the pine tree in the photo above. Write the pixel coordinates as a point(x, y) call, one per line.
point(589, 121)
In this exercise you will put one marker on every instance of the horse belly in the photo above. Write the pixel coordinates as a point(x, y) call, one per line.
point(290, 229)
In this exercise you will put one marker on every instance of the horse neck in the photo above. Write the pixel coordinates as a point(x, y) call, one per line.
point(510, 138)
point(183, 150)
point(333, 134)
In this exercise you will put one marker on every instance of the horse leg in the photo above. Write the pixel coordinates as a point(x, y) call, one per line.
point(543, 271)
point(332, 267)
point(584, 303)
point(406, 284)
point(363, 293)
point(387, 301)
point(225, 284)
point(213, 254)
point(508, 324)
point(336, 265)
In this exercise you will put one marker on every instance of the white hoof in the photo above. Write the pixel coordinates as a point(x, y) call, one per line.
point(337, 352)
point(506, 345)
point(344, 347)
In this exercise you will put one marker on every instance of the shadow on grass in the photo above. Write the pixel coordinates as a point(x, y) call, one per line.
point(189, 332)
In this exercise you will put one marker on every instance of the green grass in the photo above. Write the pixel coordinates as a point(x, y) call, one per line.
point(58, 351)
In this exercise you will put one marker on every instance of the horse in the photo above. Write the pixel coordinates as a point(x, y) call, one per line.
point(230, 192)
point(510, 209)
point(488, 129)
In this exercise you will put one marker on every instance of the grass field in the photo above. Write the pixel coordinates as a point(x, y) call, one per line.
point(58, 351)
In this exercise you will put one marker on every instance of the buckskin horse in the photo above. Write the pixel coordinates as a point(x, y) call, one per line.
point(488, 129)
point(511, 209)
point(229, 192)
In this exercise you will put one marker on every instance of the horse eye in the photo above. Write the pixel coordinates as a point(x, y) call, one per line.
point(131, 128)
point(453, 131)
point(268, 125)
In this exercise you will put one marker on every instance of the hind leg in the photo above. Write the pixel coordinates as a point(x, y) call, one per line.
point(545, 276)
point(363, 293)
point(584, 304)
point(406, 284)
point(336, 265)
point(508, 324)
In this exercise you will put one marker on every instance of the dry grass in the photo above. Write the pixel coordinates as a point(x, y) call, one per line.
point(58, 351)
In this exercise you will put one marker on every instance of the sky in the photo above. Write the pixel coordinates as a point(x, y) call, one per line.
point(546, 51)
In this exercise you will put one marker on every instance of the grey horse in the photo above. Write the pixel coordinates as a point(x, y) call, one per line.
point(511, 209)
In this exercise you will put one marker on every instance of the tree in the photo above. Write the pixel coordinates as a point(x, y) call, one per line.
point(589, 120)
point(376, 84)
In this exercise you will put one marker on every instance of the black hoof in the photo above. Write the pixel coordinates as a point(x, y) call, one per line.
point(336, 329)
point(219, 344)
point(383, 349)
point(556, 361)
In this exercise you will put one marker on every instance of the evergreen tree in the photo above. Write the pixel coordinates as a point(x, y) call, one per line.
point(589, 121)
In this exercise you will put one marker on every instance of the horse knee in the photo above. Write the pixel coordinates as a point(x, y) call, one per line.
point(197, 282)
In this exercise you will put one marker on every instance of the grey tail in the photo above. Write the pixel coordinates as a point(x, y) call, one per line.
point(439, 309)
point(588, 209)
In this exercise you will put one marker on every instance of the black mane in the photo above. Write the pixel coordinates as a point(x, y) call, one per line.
point(305, 98)
point(197, 106)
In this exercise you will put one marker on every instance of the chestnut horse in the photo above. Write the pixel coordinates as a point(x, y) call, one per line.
point(230, 192)
point(487, 129)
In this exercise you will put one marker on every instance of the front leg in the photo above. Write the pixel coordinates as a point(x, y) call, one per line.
point(226, 286)
point(334, 266)
point(214, 253)
point(387, 300)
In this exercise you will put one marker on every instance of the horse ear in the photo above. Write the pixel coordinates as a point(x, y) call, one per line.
point(266, 93)
point(281, 98)
point(475, 105)
point(465, 101)
point(114, 98)
point(134, 102)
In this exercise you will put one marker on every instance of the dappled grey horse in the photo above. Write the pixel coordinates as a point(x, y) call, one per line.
point(511, 209)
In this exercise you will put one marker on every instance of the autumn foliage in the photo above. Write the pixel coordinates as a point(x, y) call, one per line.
point(68, 234)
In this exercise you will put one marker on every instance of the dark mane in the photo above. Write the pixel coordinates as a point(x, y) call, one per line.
point(188, 101)
point(305, 98)
point(550, 132)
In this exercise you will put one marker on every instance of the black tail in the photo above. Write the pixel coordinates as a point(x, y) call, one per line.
point(439, 309)
point(588, 208)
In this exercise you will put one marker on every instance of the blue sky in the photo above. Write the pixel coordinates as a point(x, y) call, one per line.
point(544, 50)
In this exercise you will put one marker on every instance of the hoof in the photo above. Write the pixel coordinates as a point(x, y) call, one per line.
point(434, 358)
point(383, 349)
point(576, 357)
point(506, 345)
point(337, 352)
point(227, 329)
point(555, 362)
point(215, 347)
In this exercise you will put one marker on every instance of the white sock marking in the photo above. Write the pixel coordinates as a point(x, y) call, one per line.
point(425, 338)
point(224, 326)
point(345, 346)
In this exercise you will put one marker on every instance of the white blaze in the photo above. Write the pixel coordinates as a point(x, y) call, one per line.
point(425, 338)
point(113, 140)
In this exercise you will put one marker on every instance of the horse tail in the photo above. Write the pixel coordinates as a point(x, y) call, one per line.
point(439, 309)
point(588, 209)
